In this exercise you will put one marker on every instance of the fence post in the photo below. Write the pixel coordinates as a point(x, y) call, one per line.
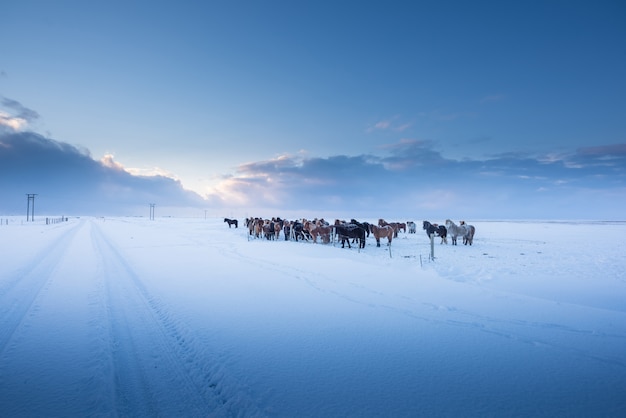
point(432, 247)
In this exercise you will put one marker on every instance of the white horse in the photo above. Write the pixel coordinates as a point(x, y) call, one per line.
point(469, 231)
point(454, 231)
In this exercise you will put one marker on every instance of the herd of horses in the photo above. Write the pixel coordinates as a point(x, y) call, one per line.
point(352, 231)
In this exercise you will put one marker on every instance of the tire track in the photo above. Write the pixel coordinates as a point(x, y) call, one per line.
point(19, 292)
point(157, 371)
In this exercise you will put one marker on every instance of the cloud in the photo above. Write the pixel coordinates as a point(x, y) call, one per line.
point(614, 154)
point(440, 116)
point(15, 116)
point(68, 181)
point(389, 125)
point(413, 179)
point(108, 161)
point(408, 179)
point(411, 153)
point(13, 123)
point(385, 124)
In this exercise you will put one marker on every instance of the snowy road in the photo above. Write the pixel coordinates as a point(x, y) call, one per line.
point(116, 349)
point(129, 317)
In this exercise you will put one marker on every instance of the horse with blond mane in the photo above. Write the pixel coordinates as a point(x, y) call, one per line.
point(385, 231)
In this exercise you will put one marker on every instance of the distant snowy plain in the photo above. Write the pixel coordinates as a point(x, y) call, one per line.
point(190, 318)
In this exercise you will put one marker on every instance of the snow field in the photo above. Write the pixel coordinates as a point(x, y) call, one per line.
point(186, 317)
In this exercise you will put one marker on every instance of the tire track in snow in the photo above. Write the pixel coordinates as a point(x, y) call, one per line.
point(157, 372)
point(19, 292)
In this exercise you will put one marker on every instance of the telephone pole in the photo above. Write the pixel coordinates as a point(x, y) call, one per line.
point(30, 208)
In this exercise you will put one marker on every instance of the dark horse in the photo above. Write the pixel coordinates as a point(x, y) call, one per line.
point(364, 225)
point(231, 222)
point(296, 230)
point(347, 231)
point(438, 230)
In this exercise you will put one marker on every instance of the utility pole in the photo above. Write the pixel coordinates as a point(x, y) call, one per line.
point(30, 209)
point(152, 205)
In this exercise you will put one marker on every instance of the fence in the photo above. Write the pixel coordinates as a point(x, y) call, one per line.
point(50, 221)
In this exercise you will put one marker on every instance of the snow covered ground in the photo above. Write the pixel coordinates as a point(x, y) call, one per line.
point(186, 317)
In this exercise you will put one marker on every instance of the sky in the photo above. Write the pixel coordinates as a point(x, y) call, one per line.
point(436, 109)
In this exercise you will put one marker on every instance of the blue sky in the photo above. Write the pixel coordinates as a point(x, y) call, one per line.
point(423, 109)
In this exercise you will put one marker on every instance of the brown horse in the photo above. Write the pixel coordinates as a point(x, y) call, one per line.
point(258, 227)
point(255, 226)
point(319, 228)
point(278, 226)
point(385, 231)
point(395, 225)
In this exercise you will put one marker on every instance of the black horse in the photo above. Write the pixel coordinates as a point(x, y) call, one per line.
point(287, 230)
point(297, 230)
point(438, 230)
point(364, 225)
point(231, 222)
point(348, 231)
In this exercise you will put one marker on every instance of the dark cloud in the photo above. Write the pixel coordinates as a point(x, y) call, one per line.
point(615, 150)
point(612, 157)
point(410, 180)
point(415, 179)
point(68, 181)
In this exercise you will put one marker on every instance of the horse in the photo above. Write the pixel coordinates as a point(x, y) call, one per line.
point(269, 231)
point(255, 226)
point(318, 228)
point(297, 230)
point(278, 226)
point(379, 232)
point(395, 225)
point(412, 227)
point(364, 225)
point(347, 231)
point(438, 230)
point(454, 231)
point(231, 222)
point(286, 230)
point(468, 236)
